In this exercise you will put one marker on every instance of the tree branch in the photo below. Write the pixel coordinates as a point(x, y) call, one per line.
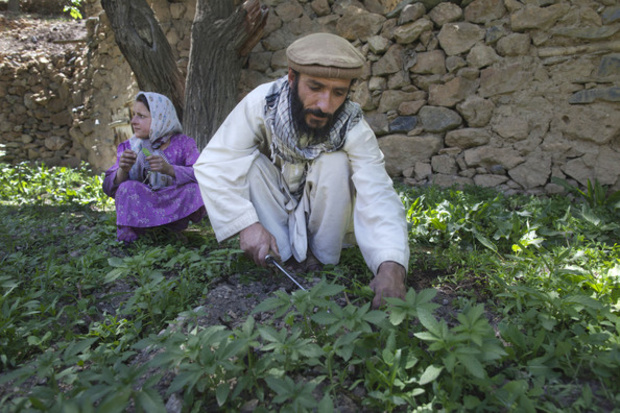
point(146, 49)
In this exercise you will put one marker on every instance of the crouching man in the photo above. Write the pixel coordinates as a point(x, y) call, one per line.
point(295, 170)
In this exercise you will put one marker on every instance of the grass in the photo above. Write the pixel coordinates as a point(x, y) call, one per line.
point(513, 305)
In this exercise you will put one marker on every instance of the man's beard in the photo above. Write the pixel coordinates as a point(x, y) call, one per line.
point(298, 113)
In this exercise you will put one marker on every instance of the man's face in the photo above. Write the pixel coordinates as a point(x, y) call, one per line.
point(318, 98)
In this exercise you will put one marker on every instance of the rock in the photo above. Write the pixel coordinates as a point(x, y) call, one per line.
point(609, 65)
point(260, 61)
point(457, 38)
point(489, 181)
point(534, 172)
point(609, 94)
point(489, 156)
point(611, 15)
point(289, 10)
point(607, 167)
point(433, 62)
point(493, 34)
point(511, 127)
point(403, 124)
point(538, 18)
point(379, 123)
point(501, 80)
point(452, 92)
point(481, 56)
point(447, 181)
point(444, 164)
point(55, 143)
point(177, 10)
point(591, 33)
point(63, 118)
point(402, 152)
point(438, 119)
point(454, 63)
point(357, 23)
point(378, 44)
point(514, 44)
point(590, 123)
point(390, 62)
point(445, 13)
point(391, 99)
point(579, 171)
point(484, 11)
point(410, 107)
point(410, 32)
point(422, 170)
point(320, 7)
point(467, 138)
point(411, 13)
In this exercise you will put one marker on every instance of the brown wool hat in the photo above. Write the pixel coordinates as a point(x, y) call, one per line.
point(325, 55)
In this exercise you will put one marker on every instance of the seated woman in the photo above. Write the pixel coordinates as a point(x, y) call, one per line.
point(153, 180)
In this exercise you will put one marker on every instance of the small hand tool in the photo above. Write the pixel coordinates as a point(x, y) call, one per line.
point(270, 260)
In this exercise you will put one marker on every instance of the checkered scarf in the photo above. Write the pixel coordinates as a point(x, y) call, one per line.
point(286, 138)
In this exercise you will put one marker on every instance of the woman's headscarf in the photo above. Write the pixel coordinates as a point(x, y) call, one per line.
point(164, 124)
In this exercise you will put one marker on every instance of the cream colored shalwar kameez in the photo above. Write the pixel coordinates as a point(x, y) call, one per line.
point(348, 188)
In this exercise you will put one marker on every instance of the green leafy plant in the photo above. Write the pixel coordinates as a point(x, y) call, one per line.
point(595, 194)
point(73, 8)
point(512, 305)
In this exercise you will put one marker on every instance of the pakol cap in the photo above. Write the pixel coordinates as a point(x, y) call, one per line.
point(325, 55)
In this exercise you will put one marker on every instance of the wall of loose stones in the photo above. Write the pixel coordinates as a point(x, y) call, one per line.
point(496, 93)
point(36, 97)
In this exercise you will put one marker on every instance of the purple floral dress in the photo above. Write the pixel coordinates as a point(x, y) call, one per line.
point(139, 207)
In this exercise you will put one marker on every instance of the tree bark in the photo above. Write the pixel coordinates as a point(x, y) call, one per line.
point(13, 6)
point(146, 49)
point(222, 36)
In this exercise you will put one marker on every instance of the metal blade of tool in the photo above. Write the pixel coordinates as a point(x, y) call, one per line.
point(270, 260)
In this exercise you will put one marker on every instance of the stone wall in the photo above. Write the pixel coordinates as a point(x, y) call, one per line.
point(37, 94)
point(497, 93)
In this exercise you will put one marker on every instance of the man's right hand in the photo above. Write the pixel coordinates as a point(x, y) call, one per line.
point(257, 243)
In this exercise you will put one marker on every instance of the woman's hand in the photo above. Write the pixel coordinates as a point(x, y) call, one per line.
point(128, 158)
point(126, 161)
point(158, 164)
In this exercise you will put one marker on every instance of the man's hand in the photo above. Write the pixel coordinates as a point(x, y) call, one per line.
point(389, 282)
point(257, 242)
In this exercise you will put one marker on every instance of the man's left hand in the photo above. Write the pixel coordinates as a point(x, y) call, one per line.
point(389, 282)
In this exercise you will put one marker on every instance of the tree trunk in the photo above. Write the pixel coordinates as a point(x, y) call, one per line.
point(222, 36)
point(13, 6)
point(146, 49)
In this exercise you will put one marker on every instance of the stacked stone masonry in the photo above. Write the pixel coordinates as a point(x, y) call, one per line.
point(495, 93)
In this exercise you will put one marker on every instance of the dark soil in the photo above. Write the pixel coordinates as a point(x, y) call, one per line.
point(33, 33)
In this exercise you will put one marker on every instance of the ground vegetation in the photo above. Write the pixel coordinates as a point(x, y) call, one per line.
point(512, 305)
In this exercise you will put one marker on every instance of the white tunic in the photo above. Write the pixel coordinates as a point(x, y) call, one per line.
point(222, 173)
